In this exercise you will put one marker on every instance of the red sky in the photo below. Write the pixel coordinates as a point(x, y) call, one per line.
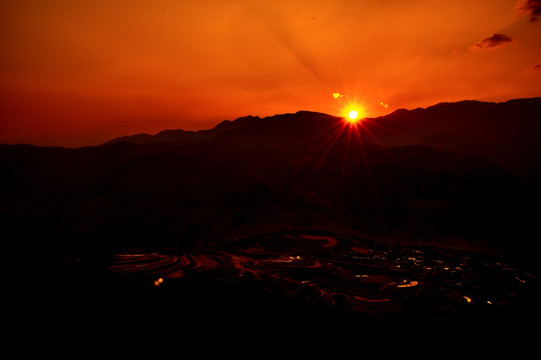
point(76, 73)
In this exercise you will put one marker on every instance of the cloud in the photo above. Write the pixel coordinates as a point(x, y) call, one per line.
point(536, 67)
point(494, 40)
point(532, 7)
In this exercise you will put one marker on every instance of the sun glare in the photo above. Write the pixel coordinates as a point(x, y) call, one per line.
point(353, 114)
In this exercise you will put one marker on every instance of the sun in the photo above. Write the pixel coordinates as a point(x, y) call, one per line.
point(353, 114)
point(352, 111)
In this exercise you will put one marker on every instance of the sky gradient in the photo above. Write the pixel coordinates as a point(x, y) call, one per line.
point(77, 73)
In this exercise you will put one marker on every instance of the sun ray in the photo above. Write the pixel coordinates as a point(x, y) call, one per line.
point(367, 168)
point(330, 142)
point(352, 138)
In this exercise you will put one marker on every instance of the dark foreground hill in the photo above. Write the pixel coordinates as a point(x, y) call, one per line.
point(453, 175)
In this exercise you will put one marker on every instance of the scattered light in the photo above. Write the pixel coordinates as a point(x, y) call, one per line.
point(337, 95)
point(384, 105)
point(408, 284)
point(467, 299)
point(158, 282)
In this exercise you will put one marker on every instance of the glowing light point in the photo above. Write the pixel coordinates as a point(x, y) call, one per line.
point(353, 113)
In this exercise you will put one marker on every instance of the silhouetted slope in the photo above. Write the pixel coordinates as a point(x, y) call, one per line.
point(293, 171)
point(507, 133)
point(186, 137)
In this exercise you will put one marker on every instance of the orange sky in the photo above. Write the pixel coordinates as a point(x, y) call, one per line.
point(77, 73)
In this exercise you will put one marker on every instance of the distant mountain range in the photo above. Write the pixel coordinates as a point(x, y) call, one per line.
point(186, 137)
point(502, 132)
point(463, 174)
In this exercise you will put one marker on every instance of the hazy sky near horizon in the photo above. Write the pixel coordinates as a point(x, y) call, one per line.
point(75, 73)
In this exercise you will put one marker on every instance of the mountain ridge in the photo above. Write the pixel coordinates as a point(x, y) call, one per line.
point(190, 137)
point(184, 135)
point(388, 179)
point(486, 129)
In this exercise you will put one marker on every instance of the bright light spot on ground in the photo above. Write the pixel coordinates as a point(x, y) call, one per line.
point(407, 284)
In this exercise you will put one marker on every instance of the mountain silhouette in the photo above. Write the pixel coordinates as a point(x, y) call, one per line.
point(186, 137)
point(506, 133)
point(462, 174)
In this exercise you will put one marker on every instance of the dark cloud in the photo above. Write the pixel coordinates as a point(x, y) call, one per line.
point(532, 7)
point(494, 40)
point(536, 67)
